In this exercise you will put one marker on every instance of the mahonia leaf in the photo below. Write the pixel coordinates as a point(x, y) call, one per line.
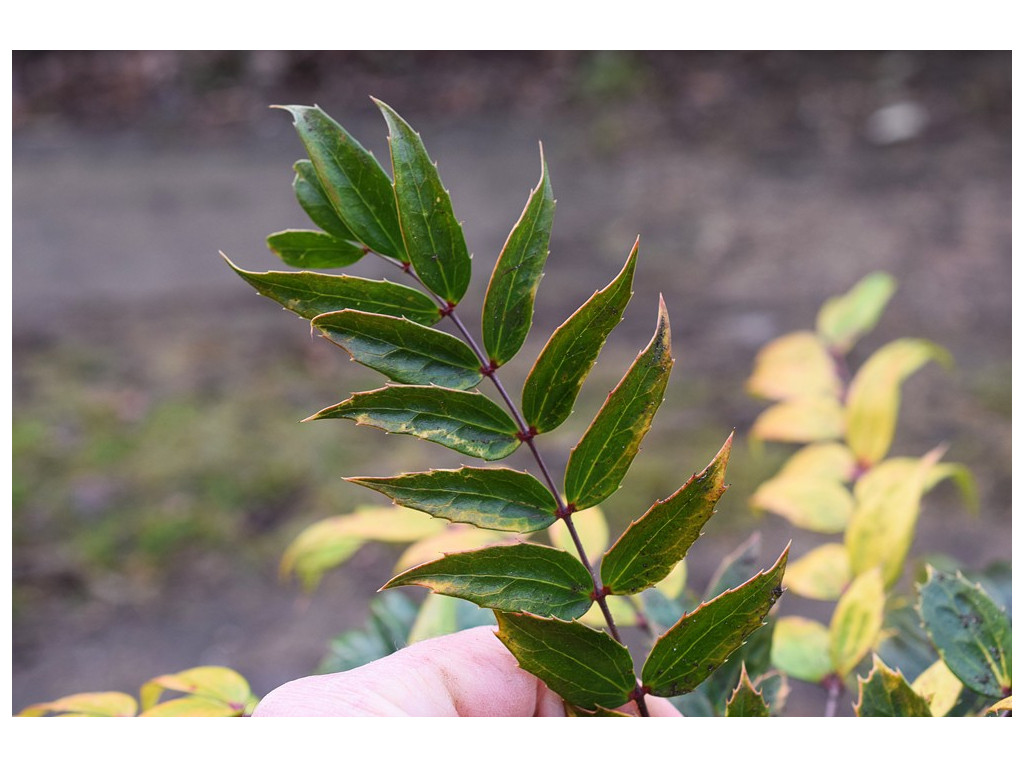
point(584, 666)
point(800, 420)
point(886, 693)
point(873, 400)
point(354, 182)
point(223, 691)
point(845, 319)
point(572, 710)
point(622, 609)
point(821, 461)
point(557, 376)
point(821, 574)
point(970, 632)
point(405, 351)
point(467, 422)
point(794, 365)
point(703, 640)
point(800, 648)
point(599, 461)
point(652, 545)
point(808, 490)
point(314, 201)
point(1000, 707)
point(881, 528)
point(856, 621)
point(499, 499)
point(939, 687)
point(433, 236)
point(746, 701)
point(100, 704)
point(508, 304)
point(515, 577)
point(309, 294)
point(307, 249)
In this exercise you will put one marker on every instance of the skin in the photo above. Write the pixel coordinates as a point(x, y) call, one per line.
point(468, 674)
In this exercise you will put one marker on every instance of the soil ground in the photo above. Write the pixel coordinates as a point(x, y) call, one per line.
point(759, 184)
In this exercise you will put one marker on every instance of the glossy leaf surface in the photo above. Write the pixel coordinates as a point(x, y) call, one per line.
point(584, 666)
point(508, 304)
point(406, 352)
point(873, 401)
point(971, 633)
point(800, 648)
point(701, 641)
point(821, 574)
point(315, 202)
point(845, 319)
point(886, 693)
point(306, 249)
point(652, 545)
point(433, 236)
point(500, 499)
point(746, 701)
point(517, 577)
point(467, 422)
point(601, 458)
point(354, 182)
point(856, 621)
point(794, 365)
point(800, 420)
point(100, 704)
point(309, 294)
point(557, 376)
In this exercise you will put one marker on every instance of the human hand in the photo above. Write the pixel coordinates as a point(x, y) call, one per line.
point(467, 674)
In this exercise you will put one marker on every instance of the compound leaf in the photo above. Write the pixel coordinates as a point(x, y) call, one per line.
point(794, 365)
point(703, 640)
point(467, 422)
point(498, 499)
point(433, 236)
point(886, 693)
point(800, 648)
point(309, 294)
point(557, 376)
point(405, 351)
point(516, 577)
point(856, 621)
point(307, 249)
point(354, 182)
point(508, 305)
point(652, 545)
point(314, 201)
point(845, 319)
point(584, 666)
point(970, 632)
point(873, 401)
point(599, 461)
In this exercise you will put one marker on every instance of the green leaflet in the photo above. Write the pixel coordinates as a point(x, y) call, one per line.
point(309, 294)
point(467, 422)
point(314, 201)
point(403, 350)
point(307, 249)
point(584, 666)
point(746, 701)
point(845, 319)
point(800, 648)
point(703, 640)
point(557, 376)
point(970, 632)
point(499, 499)
point(433, 236)
point(599, 461)
point(508, 305)
point(886, 693)
point(357, 187)
point(651, 546)
point(515, 577)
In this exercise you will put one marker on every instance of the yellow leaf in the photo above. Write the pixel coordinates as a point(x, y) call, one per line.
point(844, 319)
point(887, 501)
point(672, 585)
point(802, 420)
point(939, 687)
point(621, 608)
point(218, 684)
point(821, 574)
point(824, 461)
point(857, 621)
point(800, 648)
point(436, 618)
point(873, 400)
point(794, 365)
point(192, 706)
point(102, 704)
point(457, 537)
point(818, 505)
point(1003, 705)
point(591, 527)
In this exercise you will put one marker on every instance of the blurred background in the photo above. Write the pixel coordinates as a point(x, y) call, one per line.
point(159, 467)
